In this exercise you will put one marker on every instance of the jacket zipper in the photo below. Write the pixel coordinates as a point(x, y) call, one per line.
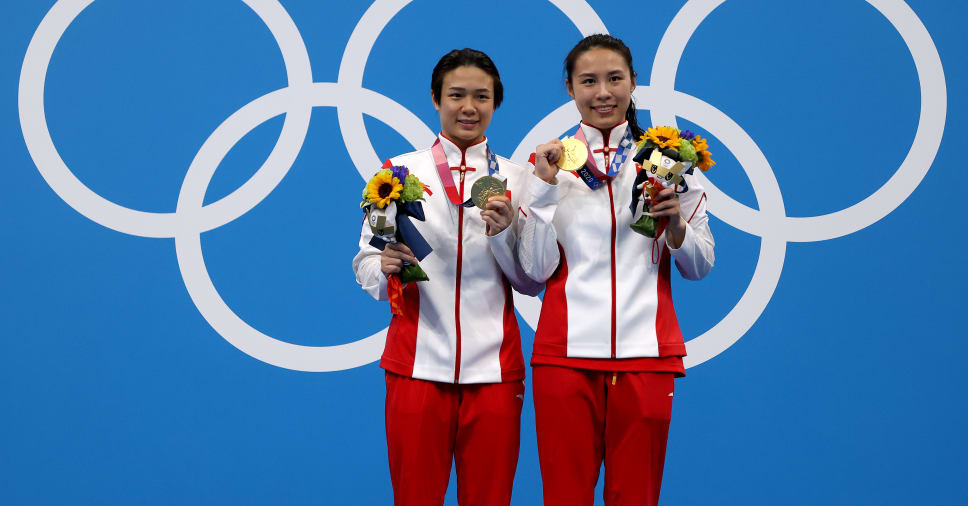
point(460, 255)
point(612, 208)
point(606, 137)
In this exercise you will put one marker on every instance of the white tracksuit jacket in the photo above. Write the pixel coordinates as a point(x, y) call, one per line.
point(606, 297)
point(460, 326)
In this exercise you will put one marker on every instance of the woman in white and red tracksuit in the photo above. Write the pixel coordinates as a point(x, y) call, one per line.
point(608, 344)
point(453, 361)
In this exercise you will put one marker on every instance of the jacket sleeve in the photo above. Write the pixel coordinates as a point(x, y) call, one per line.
point(695, 256)
point(538, 241)
point(504, 246)
point(366, 265)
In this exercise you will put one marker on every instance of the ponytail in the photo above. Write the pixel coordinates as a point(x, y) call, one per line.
point(633, 119)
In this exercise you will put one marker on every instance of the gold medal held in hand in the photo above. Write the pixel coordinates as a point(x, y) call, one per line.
point(574, 154)
point(484, 188)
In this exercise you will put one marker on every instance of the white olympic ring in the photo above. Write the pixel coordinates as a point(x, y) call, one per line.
point(777, 230)
point(351, 100)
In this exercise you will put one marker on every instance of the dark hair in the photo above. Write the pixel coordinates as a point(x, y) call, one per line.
point(466, 57)
point(607, 42)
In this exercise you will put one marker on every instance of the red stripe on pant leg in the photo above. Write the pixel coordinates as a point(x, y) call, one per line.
point(551, 338)
point(511, 358)
point(488, 439)
point(636, 430)
point(421, 423)
point(569, 413)
point(401, 345)
point(666, 324)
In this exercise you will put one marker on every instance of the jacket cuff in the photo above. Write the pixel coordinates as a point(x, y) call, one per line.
point(378, 290)
point(688, 246)
point(542, 193)
point(502, 243)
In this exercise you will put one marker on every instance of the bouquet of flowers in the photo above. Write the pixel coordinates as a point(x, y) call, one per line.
point(390, 199)
point(664, 155)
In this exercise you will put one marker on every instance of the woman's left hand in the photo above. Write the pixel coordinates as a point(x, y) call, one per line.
point(497, 214)
point(666, 205)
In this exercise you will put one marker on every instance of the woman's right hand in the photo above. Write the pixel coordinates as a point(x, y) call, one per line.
point(546, 160)
point(393, 257)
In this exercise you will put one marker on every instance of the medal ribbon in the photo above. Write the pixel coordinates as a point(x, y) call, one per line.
point(447, 179)
point(589, 172)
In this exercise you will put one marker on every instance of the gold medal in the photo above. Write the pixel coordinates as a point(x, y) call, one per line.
point(484, 188)
point(574, 154)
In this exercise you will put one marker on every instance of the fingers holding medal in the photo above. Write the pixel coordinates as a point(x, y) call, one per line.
point(484, 188)
point(573, 154)
point(490, 195)
point(546, 158)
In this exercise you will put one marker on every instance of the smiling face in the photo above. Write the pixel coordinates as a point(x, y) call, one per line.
point(466, 105)
point(601, 85)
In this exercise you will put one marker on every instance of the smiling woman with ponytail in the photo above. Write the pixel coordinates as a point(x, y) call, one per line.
point(608, 344)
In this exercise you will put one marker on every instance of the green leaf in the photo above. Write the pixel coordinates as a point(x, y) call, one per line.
point(645, 226)
point(411, 272)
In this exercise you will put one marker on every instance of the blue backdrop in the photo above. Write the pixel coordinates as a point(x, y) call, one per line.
point(129, 377)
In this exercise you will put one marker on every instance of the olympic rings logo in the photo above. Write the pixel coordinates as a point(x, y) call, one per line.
point(351, 100)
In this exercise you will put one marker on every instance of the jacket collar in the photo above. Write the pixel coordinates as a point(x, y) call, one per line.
point(595, 139)
point(474, 156)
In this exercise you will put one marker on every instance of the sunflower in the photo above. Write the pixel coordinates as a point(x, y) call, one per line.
point(705, 157)
point(705, 160)
point(700, 144)
point(383, 188)
point(663, 137)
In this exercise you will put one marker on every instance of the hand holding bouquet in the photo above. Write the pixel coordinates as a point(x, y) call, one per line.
point(664, 156)
point(391, 198)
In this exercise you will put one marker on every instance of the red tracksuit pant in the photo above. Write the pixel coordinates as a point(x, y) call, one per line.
point(429, 424)
point(582, 419)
